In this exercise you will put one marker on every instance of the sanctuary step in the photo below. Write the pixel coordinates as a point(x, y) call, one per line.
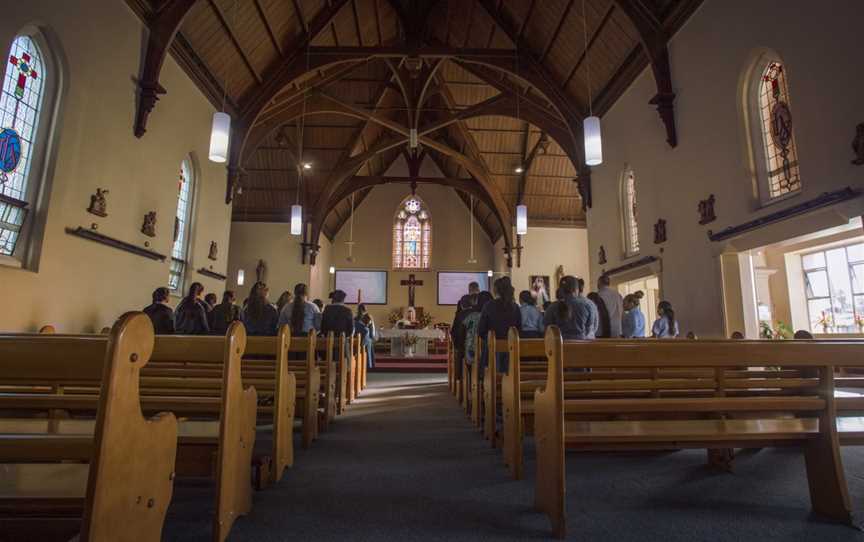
point(436, 363)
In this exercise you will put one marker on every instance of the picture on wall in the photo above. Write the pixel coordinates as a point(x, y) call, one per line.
point(539, 287)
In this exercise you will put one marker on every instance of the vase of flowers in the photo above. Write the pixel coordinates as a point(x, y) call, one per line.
point(409, 342)
point(859, 321)
point(826, 321)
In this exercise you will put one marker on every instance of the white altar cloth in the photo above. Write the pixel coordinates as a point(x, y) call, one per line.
point(421, 348)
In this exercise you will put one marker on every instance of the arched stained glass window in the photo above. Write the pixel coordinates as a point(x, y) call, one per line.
point(412, 235)
point(629, 213)
point(21, 102)
point(182, 226)
point(775, 117)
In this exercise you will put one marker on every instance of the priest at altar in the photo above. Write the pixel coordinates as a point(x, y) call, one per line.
point(408, 337)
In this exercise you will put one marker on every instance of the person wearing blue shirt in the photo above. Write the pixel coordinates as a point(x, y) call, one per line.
point(665, 326)
point(633, 321)
point(301, 314)
point(532, 318)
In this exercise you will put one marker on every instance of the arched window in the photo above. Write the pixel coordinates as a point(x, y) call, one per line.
point(771, 129)
point(629, 213)
point(412, 235)
point(22, 137)
point(182, 226)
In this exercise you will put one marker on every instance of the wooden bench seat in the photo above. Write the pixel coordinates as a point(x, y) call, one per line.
point(220, 444)
point(122, 488)
point(803, 417)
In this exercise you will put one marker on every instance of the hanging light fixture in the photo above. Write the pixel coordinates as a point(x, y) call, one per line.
point(332, 270)
point(296, 220)
point(297, 209)
point(591, 125)
point(471, 258)
point(521, 219)
point(220, 130)
point(241, 277)
point(489, 273)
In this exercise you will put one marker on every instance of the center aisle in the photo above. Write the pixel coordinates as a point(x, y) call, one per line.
point(403, 463)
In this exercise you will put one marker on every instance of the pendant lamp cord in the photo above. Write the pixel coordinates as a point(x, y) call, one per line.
point(587, 63)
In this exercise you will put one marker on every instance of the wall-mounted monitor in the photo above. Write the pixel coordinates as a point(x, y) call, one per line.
point(452, 285)
point(371, 285)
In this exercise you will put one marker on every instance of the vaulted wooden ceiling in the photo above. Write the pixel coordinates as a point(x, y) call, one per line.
point(489, 85)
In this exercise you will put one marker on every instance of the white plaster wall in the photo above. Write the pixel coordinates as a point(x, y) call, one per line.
point(709, 55)
point(81, 285)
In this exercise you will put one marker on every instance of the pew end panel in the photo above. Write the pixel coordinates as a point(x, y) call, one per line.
point(236, 438)
point(284, 405)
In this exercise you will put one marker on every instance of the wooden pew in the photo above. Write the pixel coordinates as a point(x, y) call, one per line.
point(305, 372)
point(492, 392)
point(219, 442)
point(342, 362)
point(327, 362)
point(123, 486)
point(644, 423)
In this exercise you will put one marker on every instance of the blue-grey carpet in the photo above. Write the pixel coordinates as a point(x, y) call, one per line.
point(405, 464)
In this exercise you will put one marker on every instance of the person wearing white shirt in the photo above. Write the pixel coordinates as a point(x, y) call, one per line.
point(614, 306)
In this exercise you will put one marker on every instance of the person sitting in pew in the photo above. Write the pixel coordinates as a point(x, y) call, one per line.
point(300, 313)
point(532, 319)
point(224, 313)
point(499, 315)
point(633, 321)
point(191, 315)
point(160, 313)
point(210, 301)
point(260, 316)
point(576, 316)
point(337, 317)
point(665, 326)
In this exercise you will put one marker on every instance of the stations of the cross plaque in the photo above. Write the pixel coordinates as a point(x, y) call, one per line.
point(411, 283)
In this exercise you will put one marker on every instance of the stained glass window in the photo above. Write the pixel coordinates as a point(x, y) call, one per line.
point(775, 115)
point(20, 111)
point(412, 235)
point(182, 224)
point(629, 214)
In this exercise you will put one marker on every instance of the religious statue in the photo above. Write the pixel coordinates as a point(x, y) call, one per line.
point(149, 226)
point(98, 204)
point(660, 232)
point(706, 210)
point(214, 251)
point(409, 319)
point(261, 271)
point(601, 256)
point(559, 274)
point(858, 145)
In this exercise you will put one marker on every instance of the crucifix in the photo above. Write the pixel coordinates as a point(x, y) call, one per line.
point(411, 283)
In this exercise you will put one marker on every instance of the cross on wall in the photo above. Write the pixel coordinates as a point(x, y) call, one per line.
point(411, 283)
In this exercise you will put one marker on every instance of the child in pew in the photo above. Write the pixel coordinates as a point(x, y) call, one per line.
point(633, 321)
point(191, 315)
point(260, 317)
point(160, 313)
point(665, 326)
point(532, 319)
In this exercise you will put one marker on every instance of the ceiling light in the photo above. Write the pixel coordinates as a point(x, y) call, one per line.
point(307, 165)
point(518, 169)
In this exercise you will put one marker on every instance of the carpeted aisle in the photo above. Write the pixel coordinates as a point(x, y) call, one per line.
point(405, 464)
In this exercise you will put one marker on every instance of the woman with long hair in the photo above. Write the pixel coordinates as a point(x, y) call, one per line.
point(191, 315)
point(575, 316)
point(283, 300)
point(665, 326)
point(498, 316)
point(260, 317)
point(300, 314)
point(633, 321)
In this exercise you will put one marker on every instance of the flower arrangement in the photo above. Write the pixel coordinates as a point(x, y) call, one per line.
point(425, 320)
point(409, 340)
point(859, 321)
point(826, 320)
point(395, 316)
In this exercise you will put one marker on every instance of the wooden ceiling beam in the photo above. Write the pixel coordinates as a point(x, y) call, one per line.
point(266, 20)
point(162, 26)
point(654, 39)
point(223, 19)
point(298, 12)
point(606, 17)
point(554, 35)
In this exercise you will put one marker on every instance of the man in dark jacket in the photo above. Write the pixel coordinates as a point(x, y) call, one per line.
point(224, 314)
point(467, 304)
point(337, 317)
point(160, 313)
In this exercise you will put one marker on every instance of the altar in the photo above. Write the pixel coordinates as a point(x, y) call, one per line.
point(401, 340)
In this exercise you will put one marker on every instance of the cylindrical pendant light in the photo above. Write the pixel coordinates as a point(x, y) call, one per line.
point(332, 270)
point(489, 273)
point(296, 220)
point(521, 219)
point(220, 134)
point(593, 141)
point(241, 277)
